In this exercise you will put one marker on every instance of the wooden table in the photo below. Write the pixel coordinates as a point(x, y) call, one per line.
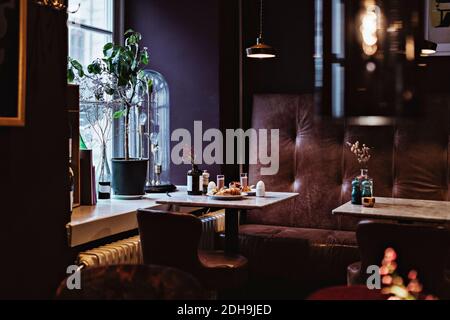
point(232, 210)
point(406, 210)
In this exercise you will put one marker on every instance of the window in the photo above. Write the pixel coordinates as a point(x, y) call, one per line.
point(90, 27)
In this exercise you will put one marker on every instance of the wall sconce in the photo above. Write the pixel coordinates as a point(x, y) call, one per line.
point(54, 4)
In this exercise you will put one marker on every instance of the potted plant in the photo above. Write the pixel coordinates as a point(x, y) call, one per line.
point(120, 75)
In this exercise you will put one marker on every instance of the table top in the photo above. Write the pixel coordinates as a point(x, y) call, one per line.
point(247, 203)
point(400, 209)
point(110, 217)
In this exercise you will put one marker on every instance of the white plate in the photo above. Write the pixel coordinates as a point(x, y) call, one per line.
point(127, 197)
point(230, 198)
point(252, 193)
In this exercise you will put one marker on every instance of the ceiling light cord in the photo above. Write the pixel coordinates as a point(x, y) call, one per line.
point(261, 17)
point(260, 49)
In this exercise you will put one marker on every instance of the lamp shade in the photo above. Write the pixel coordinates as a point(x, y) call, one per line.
point(429, 48)
point(260, 50)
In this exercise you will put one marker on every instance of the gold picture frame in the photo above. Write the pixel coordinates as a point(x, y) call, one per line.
point(18, 119)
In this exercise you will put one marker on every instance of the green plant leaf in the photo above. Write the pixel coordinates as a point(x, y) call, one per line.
point(70, 75)
point(95, 68)
point(144, 57)
point(119, 114)
point(110, 91)
point(77, 66)
point(108, 49)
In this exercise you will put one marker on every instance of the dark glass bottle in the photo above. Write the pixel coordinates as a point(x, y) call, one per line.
point(356, 192)
point(194, 181)
point(366, 189)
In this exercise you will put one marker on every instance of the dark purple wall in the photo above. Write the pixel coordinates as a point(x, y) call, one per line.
point(183, 41)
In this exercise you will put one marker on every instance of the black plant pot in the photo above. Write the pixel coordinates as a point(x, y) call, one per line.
point(129, 176)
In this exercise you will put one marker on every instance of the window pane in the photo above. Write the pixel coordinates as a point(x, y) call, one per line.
point(85, 46)
point(94, 13)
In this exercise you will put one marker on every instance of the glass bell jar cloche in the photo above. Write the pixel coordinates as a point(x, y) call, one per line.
point(155, 135)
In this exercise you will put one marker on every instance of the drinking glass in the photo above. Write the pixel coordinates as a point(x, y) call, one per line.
point(220, 182)
point(244, 180)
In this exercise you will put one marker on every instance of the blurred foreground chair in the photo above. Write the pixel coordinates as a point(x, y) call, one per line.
point(172, 239)
point(422, 248)
point(133, 282)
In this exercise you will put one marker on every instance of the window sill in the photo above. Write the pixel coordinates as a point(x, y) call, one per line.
point(107, 218)
point(110, 217)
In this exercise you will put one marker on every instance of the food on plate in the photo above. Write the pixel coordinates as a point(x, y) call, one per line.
point(239, 186)
point(226, 192)
point(235, 184)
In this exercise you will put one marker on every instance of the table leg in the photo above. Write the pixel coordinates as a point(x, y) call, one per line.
point(231, 231)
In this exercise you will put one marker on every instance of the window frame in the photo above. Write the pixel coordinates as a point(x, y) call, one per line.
point(117, 36)
point(118, 23)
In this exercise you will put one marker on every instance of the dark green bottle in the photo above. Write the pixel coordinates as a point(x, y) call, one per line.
point(366, 189)
point(356, 192)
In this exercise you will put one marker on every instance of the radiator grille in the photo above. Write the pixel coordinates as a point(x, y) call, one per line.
point(128, 251)
point(212, 223)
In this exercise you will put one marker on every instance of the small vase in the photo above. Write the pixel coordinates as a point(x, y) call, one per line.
point(104, 177)
point(356, 192)
point(366, 184)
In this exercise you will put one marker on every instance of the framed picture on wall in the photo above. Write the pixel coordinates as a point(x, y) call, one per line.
point(437, 25)
point(13, 41)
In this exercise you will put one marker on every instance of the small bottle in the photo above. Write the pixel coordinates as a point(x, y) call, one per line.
point(194, 181)
point(366, 189)
point(356, 192)
point(205, 182)
point(71, 178)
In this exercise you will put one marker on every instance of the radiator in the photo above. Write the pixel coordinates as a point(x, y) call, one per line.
point(212, 223)
point(128, 251)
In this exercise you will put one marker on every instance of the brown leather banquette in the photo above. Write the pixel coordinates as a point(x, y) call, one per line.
point(301, 243)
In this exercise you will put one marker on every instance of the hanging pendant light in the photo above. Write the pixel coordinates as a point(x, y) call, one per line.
point(428, 48)
point(261, 50)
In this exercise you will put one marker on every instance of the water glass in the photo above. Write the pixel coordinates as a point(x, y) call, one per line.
point(220, 182)
point(244, 180)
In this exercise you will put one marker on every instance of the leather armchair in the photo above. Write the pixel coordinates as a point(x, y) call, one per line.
point(422, 248)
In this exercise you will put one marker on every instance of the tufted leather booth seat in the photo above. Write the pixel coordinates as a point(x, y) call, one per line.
point(300, 240)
